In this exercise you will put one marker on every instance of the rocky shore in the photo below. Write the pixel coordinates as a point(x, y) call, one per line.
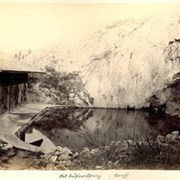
point(162, 153)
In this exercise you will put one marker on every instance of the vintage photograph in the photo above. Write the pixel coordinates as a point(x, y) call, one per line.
point(89, 86)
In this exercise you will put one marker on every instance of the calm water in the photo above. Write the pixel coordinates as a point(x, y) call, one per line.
point(79, 128)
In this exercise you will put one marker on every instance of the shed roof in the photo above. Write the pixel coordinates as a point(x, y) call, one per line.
point(9, 64)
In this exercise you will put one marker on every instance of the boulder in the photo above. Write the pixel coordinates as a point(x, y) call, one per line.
point(140, 143)
point(66, 150)
point(94, 151)
point(53, 159)
point(131, 142)
point(51, 167)
point(59, 148)
point(76, 155)
point(58, 153)
point(169, 137)
point(112, 144)
point(85, 153)
point(175, 133)
point(10, 153)
point(41, 163)
point(160, 139)
point(46, 157)
point(124, 146)
point(178, 138)
point(64, 157)
point(98, 167)
point(118, 143)
point(7, 147)
point(61, 167)
point(107, 148)
point(23, 154)
point(4, 159)
point(51, 153)
point(173, 138)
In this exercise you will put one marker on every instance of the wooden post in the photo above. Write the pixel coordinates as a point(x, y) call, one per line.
point(10, 98)
point(0, 99)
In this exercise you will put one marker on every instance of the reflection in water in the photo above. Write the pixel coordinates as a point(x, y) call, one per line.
point(79, 128)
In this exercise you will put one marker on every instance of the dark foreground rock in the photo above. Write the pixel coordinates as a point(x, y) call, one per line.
point(163, 153)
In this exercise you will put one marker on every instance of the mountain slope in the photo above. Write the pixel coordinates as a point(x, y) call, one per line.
point(121, 63)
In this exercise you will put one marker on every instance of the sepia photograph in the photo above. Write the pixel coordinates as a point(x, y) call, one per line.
point(89, 86)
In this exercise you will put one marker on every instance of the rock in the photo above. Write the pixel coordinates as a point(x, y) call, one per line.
point(3, 143)
point(59, 148)
point(7, 147)
point(43, 156)
point(116, 162)
point(67, 162)
point(175, 133)
point(140, 143)
point(118, 143)
point(160, 139)
point(124, 146)
point(98, 167)
point(85, 153)
point(53, 159)
point(107, 148)
point(112, 144)
point(131, 142)
point(42, 163)
point(51, 167)
point(58, 153)
point(101, 148)
point(23, 154)
point(173, 138)
point(51, 153)
point(61, 167)
point(133, 94)
point(165, 144)
point(65, 150)
point(76, 155)
point(93, 151)
point(64, 157)
point(86, 149)
point(169, 136)
point(46, 157)
point(4, 159)
point(10, 153)
point(110, 162)
point(178, 138)
point(76, 161)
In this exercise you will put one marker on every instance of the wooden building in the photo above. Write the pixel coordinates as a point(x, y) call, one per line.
point(13, 82)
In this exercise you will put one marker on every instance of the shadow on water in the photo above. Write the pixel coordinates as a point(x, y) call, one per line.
point(79, 128)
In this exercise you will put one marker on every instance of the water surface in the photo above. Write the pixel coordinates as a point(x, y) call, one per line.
point(79, 128)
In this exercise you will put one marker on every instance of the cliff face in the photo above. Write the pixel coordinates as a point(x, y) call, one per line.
point(122, 63)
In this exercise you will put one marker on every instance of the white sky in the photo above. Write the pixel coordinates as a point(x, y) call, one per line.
point(26, 25)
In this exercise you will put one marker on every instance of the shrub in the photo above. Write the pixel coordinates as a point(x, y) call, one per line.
point(60, 88)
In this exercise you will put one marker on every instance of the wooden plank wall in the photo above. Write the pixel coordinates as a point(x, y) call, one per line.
point(13, 90)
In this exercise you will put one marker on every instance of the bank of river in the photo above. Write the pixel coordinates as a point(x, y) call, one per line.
point(162, 153)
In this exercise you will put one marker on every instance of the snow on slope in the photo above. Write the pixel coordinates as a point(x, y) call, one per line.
point(122, 63)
